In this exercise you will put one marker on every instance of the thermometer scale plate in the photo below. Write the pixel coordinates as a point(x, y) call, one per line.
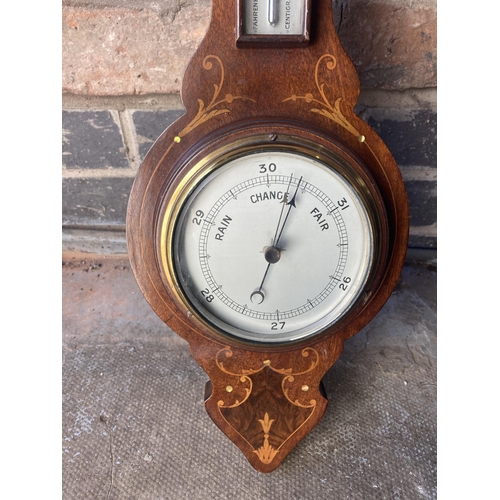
point(273, 23)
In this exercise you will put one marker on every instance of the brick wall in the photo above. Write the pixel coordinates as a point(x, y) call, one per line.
point(123, 62)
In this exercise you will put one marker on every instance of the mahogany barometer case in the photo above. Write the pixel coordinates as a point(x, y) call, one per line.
point(269, 223)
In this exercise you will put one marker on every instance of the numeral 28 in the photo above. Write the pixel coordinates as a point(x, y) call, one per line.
point(208, 296)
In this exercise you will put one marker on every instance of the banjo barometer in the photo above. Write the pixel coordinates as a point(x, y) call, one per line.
point(269, 223)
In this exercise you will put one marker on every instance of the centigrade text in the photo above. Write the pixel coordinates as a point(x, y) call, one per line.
point(287, 14)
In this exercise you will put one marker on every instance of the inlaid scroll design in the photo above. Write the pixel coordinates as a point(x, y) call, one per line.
point(209, 111)
point(290, 378)
point(331, 112)
point(244, 376)
point(240, 392)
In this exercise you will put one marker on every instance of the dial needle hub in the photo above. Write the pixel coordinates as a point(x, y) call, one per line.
point(272, 255)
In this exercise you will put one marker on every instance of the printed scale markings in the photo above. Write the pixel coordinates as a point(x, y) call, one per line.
point(209, 222)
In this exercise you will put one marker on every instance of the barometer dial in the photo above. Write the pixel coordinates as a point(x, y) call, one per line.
point(273, 246)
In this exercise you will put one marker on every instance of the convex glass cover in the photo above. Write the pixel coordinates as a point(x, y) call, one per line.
point(273, 245)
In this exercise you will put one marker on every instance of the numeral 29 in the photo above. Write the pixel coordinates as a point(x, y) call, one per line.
point(199, 215)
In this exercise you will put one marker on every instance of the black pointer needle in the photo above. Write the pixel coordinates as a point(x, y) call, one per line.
point(272, 254)
point(284, 202)
point(291, 204)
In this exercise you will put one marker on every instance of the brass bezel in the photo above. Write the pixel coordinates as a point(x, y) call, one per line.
point(204, 165)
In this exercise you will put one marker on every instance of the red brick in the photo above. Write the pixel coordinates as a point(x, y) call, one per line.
point(392, 43)
point(127, 52)
point(122, 51)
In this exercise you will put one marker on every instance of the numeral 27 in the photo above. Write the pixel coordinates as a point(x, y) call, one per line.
point(275, 325)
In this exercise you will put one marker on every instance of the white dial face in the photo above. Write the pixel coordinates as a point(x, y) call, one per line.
point(273, 246)
point(274, 17)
